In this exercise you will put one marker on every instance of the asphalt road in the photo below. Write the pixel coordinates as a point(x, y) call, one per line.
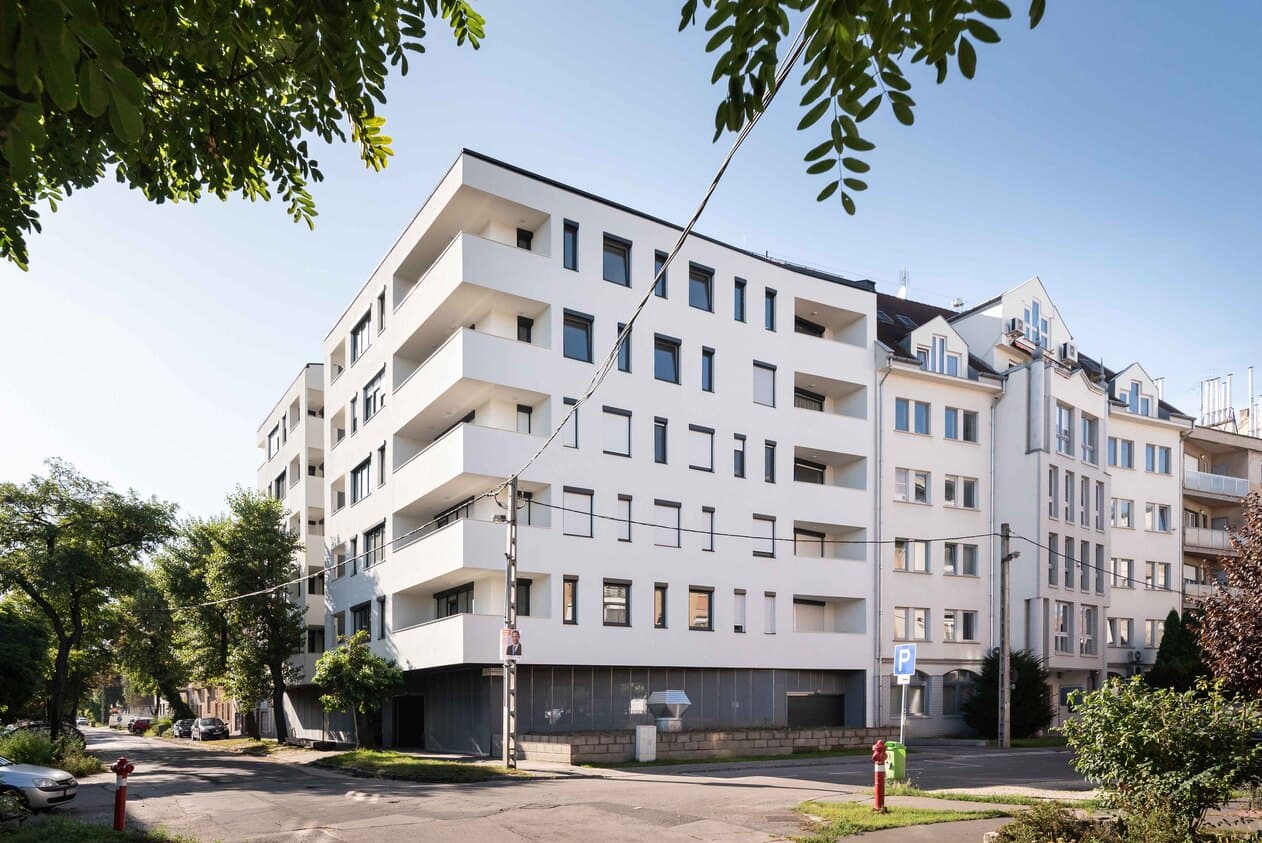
point(216, 795)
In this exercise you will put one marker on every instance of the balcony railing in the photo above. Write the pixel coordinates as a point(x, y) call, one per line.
point(1207, 537)
point(1218, 484)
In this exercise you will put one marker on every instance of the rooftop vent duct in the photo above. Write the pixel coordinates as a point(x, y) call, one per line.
point(668, 708)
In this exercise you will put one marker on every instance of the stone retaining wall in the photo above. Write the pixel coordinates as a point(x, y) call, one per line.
point(617, 746)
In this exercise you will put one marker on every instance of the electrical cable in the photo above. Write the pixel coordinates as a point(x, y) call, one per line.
point(1091, 566)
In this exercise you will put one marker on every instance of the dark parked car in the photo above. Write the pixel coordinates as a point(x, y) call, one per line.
point(140, 725)
point(68, 730)
point(208, 729)
point(182, 729)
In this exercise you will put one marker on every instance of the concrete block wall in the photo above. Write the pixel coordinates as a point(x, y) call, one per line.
point(618, 746)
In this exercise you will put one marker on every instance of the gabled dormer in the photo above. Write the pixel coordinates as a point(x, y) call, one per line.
point(1134, 388)
point(1009, 329)
point(939, 348)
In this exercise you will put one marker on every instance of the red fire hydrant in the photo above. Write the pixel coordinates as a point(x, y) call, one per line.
point(122, 768)
point(878, 786)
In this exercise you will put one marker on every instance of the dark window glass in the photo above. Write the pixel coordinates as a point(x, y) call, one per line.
point(523, 596)
point(769, 462)
point(808, 400)
point(659, 288)
point(707, 369)
point(739, 300)
point(616, 603)
point(659, 440)
point(738, 457)
point(569, 600)
point(617, 261)
point(570, 245)
point(700, 288)
point(666, 360)
point(769, 310)
point(525, 329)
point(381, 617)
point(454, 601)
point(361, 617)
point(578, 338)
point(808, 472)
point(624, 351)
point(806, 326)
point(524, 238)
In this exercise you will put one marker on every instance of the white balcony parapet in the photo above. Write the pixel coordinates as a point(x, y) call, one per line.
point(1218, 484)
point(1207, 537)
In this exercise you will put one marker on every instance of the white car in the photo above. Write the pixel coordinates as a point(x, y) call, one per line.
point(37, 787)
point(82, 721)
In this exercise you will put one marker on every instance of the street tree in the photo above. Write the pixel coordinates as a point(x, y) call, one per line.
point(24, 644)
point(1031, 696)
point(253, 559)
point(187, 100)
point(223, 98)
point(71, 545)
point(1179, 662)
point(146, 646)
point(1229, 623)
point(182, 571)
point(354, 679)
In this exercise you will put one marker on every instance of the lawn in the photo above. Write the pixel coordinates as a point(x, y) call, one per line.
point(666, 762)
point(841, 819)
point(248, 746)
point(67, 830)
point(400, 765)
point(897, 789)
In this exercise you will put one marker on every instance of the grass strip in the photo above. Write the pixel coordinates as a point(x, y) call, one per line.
point(400, 765)
point(668, 762)
point(68, 830)
point(897, 789)
point(835, 820)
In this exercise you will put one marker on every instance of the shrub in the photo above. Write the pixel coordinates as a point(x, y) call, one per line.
point(1159, 752)
point(28, 747)
point(1031, 697)
point(76, 762)
point(161, 726)
point(1051, 822)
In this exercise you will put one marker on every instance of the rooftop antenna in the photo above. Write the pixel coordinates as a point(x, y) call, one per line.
point(904, 282)
point(957, 303)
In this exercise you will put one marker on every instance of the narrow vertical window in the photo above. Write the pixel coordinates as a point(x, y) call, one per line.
point(524, 414)
point(769, 613)
point(659, 267)
point(769, 310)
point(624, 350)
point(738, 610)
point(659, 440)
point(616, 264)
point(707, 524)
point(659, 605)
point(707, 370)
point(525, 328)
point(381, 311)
point(570, 245)
point(569, 600)
point(700, 288)
point(769, 461)
point(624, 518)
point(738, 456)
point(738, 305)
point(525, 238)
point(569, 436)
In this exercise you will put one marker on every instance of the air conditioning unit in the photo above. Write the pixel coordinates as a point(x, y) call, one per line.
point(1068, 352)
point(1016, 326)
point(1137, 656)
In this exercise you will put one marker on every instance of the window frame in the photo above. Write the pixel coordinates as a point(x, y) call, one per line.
point(770, 371)
point(625, 585)
point(575, 319)
point(703, 275)
point(616, 412)
point(569, 245)
point(672, 347)
point(739, 292)
point(621, 252)
point(569, 609)
point(708, 432)
point(567, 510)
point(695, 590)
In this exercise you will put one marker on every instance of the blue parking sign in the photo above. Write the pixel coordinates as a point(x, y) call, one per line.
point(904, 659)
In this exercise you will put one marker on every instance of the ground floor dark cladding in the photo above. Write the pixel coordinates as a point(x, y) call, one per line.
point(460, 709)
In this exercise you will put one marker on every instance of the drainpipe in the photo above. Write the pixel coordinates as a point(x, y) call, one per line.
point(876, 596)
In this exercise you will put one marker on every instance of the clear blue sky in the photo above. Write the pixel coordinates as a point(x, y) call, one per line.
point(1113, 152)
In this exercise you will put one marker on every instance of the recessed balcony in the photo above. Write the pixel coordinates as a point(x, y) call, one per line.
point(1218, 486)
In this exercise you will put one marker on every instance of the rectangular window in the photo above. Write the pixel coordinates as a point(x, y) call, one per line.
point(707, 370)
point(914, 486)
point(764, 531)
point(354, 413)
point(374, 545)
point(1084, 566)
point(361, 618)
point(361, 481)
point(659, 273)
point(315, 639)
point(1084, 501)
point(1122, 572)
point(569, 436)
point(806, 326)
point(764, 384)
point(951, 427)
point(381, 311)
point(1126, 453)
point(1053, 564)
point(1069, 497)
point(738, 610)
point(577, 340)
point(570, 245)
point(700, 288)
point(805, 471)
point(569, 600)
point(1123, 514)
point(1099, 505)
point(665, 359)
point(523, 596)
point(1157, 517)
point(707, 524)
point(700, 608)
point(738, 455)
point(769, 613)
point(970, 426)
point(911, 555)
point(1099, 569)
point(666, 519)
point(1090, 438)
point(577, 518)
point(1087, 633)
point(769, 310)
point(700, 448)
point(273, 442)
point(738, 300)
point(1157, 576)
point(524, 418)
point(659, 440)
point(1061, 627)
point(381, 617)
point(902, 414)
point(624, 350)
point(659, 605)
point(1112, 451)
point(968, 560)
point(361, 337)
point(616, 603)
point(1068, 556)
point(1053, 492)
point(616, 264)
point(525, 329)
point(769, 461)
point(808, 543)
point(959, 625)
point(806, 400)
point(1121, 632)
point(920, 417)
point(617, 431)
point(525, 238)
point(911, 624)
point(1153, 630)
point(374, 394)
point(951, 559)
point(1065, 429)
point(624, 518)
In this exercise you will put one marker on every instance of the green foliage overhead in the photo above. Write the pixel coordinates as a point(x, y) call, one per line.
point(852, 65)
point(1179, 663)
point(1031, 697)
point(188, 99)
point(1180, 752)
point(355, 679)
point(24, 644)
point(146, 647)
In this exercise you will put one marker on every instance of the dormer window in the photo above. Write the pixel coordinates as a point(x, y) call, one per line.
point(1137, 402)
point(1036, 324)
point(935, 358)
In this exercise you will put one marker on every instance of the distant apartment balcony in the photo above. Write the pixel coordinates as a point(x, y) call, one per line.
point(462, 462)
point(1208, 540)
point(1215, 484)
point(461, 550)
point(457, 639)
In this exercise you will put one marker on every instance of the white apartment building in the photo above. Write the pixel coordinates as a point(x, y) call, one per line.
point(1220, 468)
point(742, 404)
point(291, 439)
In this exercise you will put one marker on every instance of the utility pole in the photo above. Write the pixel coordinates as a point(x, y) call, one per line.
point(509, 737)
point(1005, 637)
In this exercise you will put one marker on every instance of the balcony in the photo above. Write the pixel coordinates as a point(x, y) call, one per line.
point(458, 639)
point(463, 462)
point(1208, 540)
point(447, 555)
point(1215, 484)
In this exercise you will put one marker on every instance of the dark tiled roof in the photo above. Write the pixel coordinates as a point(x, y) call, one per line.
point(1094, 368)
point(894, 333)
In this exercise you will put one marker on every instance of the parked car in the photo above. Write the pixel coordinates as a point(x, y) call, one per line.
point(37, 787)
point(140, 725)
point(208, 729)
point(182, 729)
point(82, 721)
point(68, 730)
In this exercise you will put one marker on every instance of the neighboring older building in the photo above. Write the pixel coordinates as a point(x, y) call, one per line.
point(1219, 470)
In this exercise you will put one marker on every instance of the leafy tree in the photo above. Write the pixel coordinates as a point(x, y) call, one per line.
point(354, 679)
point(254, 556)
point(1179, 753)
point(1229, 623)
point(182, 571)
point(183, 100)
point(70, 545)
point(24, 642)
point(1031, 696)
point(1179, 663)
point(853, 64)
point(146, 647)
